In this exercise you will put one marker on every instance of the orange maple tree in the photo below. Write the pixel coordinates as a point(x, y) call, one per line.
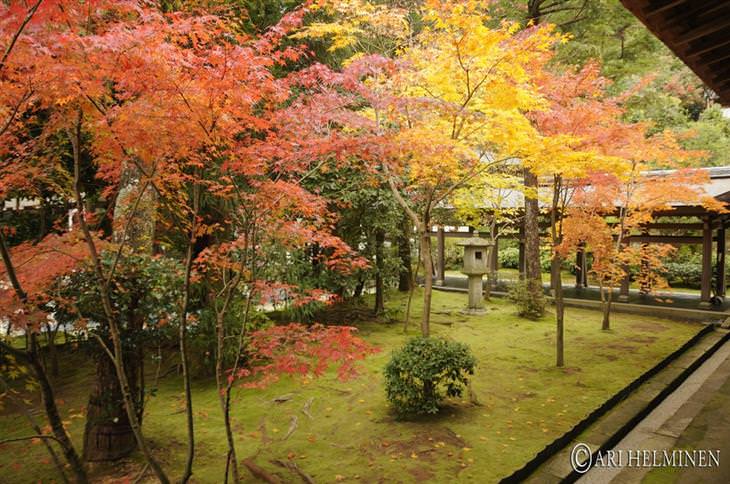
point(188, 106)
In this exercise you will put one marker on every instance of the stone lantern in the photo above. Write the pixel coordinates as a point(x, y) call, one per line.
point(477, 253)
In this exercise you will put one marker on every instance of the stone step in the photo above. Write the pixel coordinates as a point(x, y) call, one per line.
point(559, 466)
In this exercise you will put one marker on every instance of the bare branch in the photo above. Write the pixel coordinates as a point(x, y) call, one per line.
point(16, 36)
point(30, 437)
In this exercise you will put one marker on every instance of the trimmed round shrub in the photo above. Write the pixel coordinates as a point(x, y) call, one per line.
point(424, 372)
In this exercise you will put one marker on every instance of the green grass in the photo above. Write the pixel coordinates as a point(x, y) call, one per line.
point(524, 402)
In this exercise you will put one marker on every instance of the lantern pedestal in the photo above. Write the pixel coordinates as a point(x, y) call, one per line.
point(476, 298)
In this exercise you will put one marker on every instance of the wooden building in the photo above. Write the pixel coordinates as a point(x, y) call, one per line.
point(697, 31)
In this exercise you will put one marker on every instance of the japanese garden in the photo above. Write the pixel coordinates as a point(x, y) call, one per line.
point(364, 241)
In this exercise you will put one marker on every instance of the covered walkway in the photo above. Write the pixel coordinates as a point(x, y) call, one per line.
point(678, 226)
point(676, 305)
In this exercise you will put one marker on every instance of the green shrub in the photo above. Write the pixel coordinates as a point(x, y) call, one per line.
point(546, 260)
point(686, 274)
point(424, 372)
point(527, 306)
point(509, 257)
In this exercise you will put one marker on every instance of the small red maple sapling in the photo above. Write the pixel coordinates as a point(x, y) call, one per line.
point(296, 349)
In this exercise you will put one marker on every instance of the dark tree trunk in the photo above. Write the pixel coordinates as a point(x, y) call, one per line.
point(316, 259)
point(54, 418)
point(108, 434)
point(359, 287)
point(52, 350)
point(380, 268)
point(645, 284)
point(606, 323)
point(556, 276)
point(556, 263)
point(427, 279)
point(405, 275)
point(42, 219)
point(533, 273)
point(533, 10)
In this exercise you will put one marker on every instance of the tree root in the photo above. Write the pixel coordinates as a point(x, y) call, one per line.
point(259, 472)
point(293, 467)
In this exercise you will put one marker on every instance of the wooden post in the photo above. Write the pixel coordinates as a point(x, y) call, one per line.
point(706, 263)
point(720, 261)
point(441, 255)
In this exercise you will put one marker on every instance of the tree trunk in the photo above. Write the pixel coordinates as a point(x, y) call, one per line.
point(31, 357)
point(645, 281)
point(20, 405)
point(427, 279)
point(54, 418)
point(556, 262)
point(405, 275)
point(379, 270)
point(606, 324)
point(108, 434)
point(359, 287)
point(52, 350)
point(533, 272)
point(556, 276)
point(183, 338)
point(224, 399)
point(42, 219)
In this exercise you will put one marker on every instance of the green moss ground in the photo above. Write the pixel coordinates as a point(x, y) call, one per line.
point(524, 402)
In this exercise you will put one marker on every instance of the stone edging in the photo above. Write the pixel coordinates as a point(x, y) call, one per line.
point(614, 439)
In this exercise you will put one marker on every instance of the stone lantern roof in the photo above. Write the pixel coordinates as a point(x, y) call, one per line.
point(475, 242)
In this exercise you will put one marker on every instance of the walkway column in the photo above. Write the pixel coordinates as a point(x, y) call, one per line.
point(720, 261)
point(706, 263)
point(441, 254)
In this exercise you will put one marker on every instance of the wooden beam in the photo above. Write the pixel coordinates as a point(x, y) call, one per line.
point(719, 24)
point(674, 226)
point(705, 47)
point(664, 239)
point(695, 10)
point(716, 59)
point(655, 8)
point(463, 235)
point(669, 226)
point(721, 75)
